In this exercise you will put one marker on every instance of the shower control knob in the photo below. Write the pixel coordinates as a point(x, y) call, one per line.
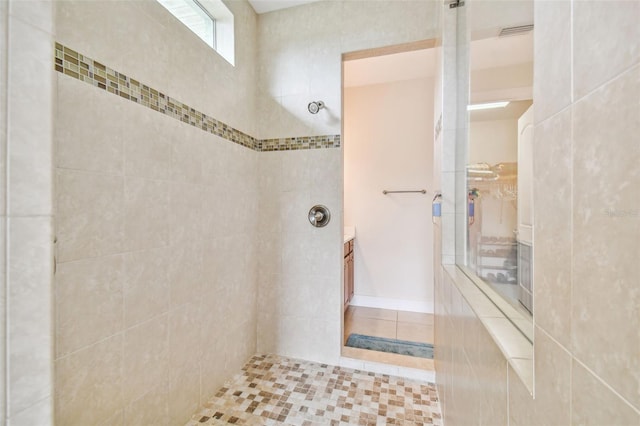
point(319, 216)
point(314, 107)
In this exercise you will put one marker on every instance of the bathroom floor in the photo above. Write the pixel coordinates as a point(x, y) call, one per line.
point(401, 325)
point(273, 390)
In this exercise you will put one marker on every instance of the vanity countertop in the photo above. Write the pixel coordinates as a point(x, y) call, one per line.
point(349, 233)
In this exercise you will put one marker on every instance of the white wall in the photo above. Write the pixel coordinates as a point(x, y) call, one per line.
point(493, 142)
point(388, 144)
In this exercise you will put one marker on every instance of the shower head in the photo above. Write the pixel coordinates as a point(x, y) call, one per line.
point(314, 107)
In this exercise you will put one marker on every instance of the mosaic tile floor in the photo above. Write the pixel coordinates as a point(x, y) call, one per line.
point(273, 390)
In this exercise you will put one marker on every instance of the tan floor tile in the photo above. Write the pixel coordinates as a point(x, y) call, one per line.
point(416, 317)
point(415, 332)
point(374, 313)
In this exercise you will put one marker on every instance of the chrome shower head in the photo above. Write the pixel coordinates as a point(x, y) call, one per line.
point(314, 107)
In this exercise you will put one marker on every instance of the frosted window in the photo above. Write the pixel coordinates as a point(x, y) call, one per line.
point(192, 14)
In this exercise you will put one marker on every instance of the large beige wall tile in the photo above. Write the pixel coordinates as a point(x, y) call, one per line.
point(215, 268)
point(29, 313)
point(185, 354)
point(313, 299)
point(90, 215)
point(552, 57)
point(145, 362)
point(244, 337)
point(213, 368)
point(89, 302)
point(37, 13)
point(184, 392)
point(270, 249)
point(184, 334)
point(30, 120)
point(41, 412)
point(491, 374)
point(605, 41)
point(146, 142)
point(465, 406)
point(268, 308)
point(326, 348)
point(150, 409)
point(83, 117)
point(186, 155)
point(146, 214)
point(552, 380)
point(371, 24)
point(606, 237)
point(116, 419)
point(593, 403)
point(552, 164)
point(187, 220)
point(145, 284)
point(185, 273)
point(311, 253)
point(521, 403)
point(89, 383)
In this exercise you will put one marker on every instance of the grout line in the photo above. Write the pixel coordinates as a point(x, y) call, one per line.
point(6, 219)
point(599, 87)
point(571, 53)
point(629, 69)
point(124, 330)
point(509, 395)
point(571, 198)
point(605, 384)
point(583, 365)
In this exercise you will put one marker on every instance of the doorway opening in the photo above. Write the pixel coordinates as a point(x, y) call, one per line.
point(388, 128)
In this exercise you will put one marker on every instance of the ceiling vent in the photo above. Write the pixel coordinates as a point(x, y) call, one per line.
point(505, 32)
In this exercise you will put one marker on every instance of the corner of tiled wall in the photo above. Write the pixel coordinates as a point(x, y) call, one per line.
point(4, 20)
point(29, 96)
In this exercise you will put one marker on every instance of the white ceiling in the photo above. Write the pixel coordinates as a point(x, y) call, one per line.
point(264, 6)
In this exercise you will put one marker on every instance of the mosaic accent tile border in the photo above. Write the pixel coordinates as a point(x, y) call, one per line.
point(305, 142)
point(69, 62)
point(274, 390)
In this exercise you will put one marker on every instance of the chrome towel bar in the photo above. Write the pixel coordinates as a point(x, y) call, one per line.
point(422, 191)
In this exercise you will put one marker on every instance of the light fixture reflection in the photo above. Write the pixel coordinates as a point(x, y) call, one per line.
point(489, 105)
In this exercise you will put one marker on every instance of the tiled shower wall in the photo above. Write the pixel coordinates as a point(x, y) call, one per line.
point(26, 253)
point(300, 61)
point(587, 237)
point(156, 280)
point(159, 255)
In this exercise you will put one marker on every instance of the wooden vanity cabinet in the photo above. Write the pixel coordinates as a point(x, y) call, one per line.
point(348, 272)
